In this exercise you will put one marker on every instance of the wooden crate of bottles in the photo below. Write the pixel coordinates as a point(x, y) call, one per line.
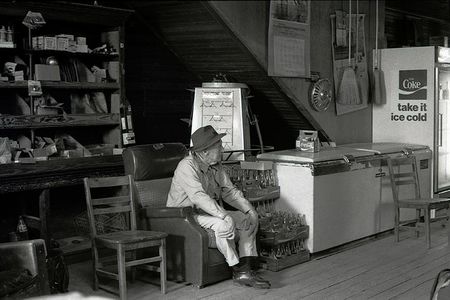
point(281, 235)
point(282, 238)
point(255, 179)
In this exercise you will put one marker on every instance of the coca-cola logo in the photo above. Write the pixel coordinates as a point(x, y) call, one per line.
point(412, 85)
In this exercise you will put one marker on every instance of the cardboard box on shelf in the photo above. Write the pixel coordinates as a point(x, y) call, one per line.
point(100, 149)
point(18, 76)
point(70, 37)
point(72, 153)
point(62, 43)
point(81, 40)
point(117, 151)
point(72, 46)
point(45, 147)
point(50, 43)
point(47, 72)
point(70, 147)
point(40, 42)
point(7, 45)
point(40, 154)
point(82, 48)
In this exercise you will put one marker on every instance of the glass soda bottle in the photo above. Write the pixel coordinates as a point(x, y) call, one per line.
point(22, 230)
point(298, 142)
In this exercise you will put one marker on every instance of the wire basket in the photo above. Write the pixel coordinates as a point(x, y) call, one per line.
point(103, 223)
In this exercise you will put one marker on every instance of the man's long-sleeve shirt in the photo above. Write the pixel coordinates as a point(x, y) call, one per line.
point(201, 186)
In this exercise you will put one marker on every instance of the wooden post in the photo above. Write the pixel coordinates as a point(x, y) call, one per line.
point(44, 207)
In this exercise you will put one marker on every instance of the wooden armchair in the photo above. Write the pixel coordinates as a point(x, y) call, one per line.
point(191, 252)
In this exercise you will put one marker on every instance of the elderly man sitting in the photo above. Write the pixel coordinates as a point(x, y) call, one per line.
point(201, 182)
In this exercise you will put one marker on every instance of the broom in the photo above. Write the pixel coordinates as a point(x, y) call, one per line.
point(348, 89)
point(378, 93)
point(361, 73)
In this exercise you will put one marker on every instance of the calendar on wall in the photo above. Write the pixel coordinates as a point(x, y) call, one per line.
point(224, 107)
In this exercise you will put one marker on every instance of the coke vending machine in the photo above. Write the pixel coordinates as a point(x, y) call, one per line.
point(417, 108)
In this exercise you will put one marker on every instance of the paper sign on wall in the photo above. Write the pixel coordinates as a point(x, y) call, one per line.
point(289, 38)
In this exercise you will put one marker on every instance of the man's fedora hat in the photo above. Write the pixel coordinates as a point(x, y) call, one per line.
point(205, 137)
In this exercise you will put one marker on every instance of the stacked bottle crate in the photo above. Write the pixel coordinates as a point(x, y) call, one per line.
point(281, 235)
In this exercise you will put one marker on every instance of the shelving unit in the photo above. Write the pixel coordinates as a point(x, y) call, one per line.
point(98, 124)
point(97, 25)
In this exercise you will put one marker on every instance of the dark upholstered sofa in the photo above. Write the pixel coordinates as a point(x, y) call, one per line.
point(191, 253)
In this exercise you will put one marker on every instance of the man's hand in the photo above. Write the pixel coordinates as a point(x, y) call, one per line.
point(227, 231)
point(253, 216)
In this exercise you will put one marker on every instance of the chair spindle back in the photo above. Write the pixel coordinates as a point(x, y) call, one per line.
point(403, 171)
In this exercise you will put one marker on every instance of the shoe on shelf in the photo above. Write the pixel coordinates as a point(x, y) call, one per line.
point(250, 278)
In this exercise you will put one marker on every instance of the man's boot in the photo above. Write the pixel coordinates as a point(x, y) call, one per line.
point(244, 275)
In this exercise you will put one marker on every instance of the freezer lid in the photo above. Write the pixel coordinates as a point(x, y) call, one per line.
point(385, 148)
point(325, 154)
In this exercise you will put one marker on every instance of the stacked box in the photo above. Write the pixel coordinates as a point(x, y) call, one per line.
point(62, 43)
point(50, 43)
point(72, 46)
point(81, 40)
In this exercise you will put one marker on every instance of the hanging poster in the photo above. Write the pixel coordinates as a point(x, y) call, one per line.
point(288, 38)
point(358, 58)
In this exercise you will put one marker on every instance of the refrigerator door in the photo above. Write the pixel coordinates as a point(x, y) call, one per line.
point(442, 125)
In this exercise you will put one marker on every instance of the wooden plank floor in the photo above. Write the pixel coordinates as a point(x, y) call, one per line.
point(374, 269)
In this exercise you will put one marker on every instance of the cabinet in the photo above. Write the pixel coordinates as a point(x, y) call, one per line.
point(82, 90)
point(69, 131)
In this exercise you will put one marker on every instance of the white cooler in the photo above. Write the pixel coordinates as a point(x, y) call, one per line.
point(345, 191)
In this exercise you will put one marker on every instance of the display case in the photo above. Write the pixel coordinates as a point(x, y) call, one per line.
point(223, 105)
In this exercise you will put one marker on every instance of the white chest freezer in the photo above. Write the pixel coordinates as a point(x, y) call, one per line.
point(344, 192)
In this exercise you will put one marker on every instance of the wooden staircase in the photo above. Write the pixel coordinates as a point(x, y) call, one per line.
point(195, 33)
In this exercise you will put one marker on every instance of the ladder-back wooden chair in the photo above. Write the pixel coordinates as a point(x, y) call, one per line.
point(403, 171)
point(109, 198)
